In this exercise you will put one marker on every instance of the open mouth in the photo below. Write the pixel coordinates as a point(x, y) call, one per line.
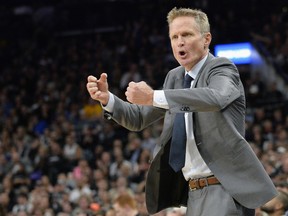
point(182, 53)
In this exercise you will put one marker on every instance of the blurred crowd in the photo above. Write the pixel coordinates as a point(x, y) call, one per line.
point(60, 157)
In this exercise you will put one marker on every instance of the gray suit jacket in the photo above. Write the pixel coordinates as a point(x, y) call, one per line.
point(218, 105)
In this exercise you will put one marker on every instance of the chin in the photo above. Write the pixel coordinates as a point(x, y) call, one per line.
point(184, 63)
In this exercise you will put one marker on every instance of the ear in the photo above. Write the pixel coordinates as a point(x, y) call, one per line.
point(278, 206)
point(207, 39)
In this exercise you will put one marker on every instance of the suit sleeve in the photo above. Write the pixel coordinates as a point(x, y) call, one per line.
point(135, 117)
point(218, 86)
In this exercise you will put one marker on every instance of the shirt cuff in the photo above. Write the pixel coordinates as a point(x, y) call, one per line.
point(110, 105)
point(159, 99)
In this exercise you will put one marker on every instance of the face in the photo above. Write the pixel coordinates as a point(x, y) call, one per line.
point(188, 44)
point(119, 211)
point(272, 206)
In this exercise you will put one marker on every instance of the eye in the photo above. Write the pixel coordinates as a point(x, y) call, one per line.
point(187, 34)
point(174, 37)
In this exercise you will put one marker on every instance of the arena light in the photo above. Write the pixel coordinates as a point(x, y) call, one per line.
point(239, 53)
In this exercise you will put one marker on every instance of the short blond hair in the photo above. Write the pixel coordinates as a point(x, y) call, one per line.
point(200, 17)
point(126, 199)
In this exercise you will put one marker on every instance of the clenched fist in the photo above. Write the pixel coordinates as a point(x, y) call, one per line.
point(139, 93)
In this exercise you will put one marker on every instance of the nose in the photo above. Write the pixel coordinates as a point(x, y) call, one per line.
point(180, 42)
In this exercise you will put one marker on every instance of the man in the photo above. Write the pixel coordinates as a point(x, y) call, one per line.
point(277, 206)
point(221, 174)
point(125, 205)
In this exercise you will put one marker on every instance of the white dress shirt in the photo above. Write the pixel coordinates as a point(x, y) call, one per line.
point(195, 166)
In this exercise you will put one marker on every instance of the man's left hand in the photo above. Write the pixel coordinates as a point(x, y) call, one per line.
point(139, 93)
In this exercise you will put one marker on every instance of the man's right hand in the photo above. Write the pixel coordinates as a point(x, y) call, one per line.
point(98, 88)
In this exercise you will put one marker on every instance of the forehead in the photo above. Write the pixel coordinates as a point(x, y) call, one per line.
point(116, 206)
point(273, 201)
point(183, 23)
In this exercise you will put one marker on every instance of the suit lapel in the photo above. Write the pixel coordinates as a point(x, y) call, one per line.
point(210, 56)
point(179, 78)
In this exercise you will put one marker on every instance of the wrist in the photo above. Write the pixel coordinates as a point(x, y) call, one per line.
point(105, 101)
point(151, 98)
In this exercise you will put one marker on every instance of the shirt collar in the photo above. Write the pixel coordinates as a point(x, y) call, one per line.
point(195, 70)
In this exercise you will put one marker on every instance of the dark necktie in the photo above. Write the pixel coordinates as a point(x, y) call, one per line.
point(178, 141)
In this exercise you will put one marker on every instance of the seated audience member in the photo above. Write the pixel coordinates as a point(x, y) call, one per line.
point(125, 205)
point(275, 207)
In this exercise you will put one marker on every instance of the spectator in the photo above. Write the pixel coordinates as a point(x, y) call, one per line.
point(122, 186)
point(55, 161)
point(277, 206)
point(82, 188)
point(83, 205)
point(72, 151)
point(4, 203)
point(148, 141)
point(91, 111)
point(22, 204)
point(125, 205)
point(81, 170)
point(119, 160)
point(132, 74)
point(103, 163)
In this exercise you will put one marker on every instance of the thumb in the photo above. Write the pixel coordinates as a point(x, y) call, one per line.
point(103, 77)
